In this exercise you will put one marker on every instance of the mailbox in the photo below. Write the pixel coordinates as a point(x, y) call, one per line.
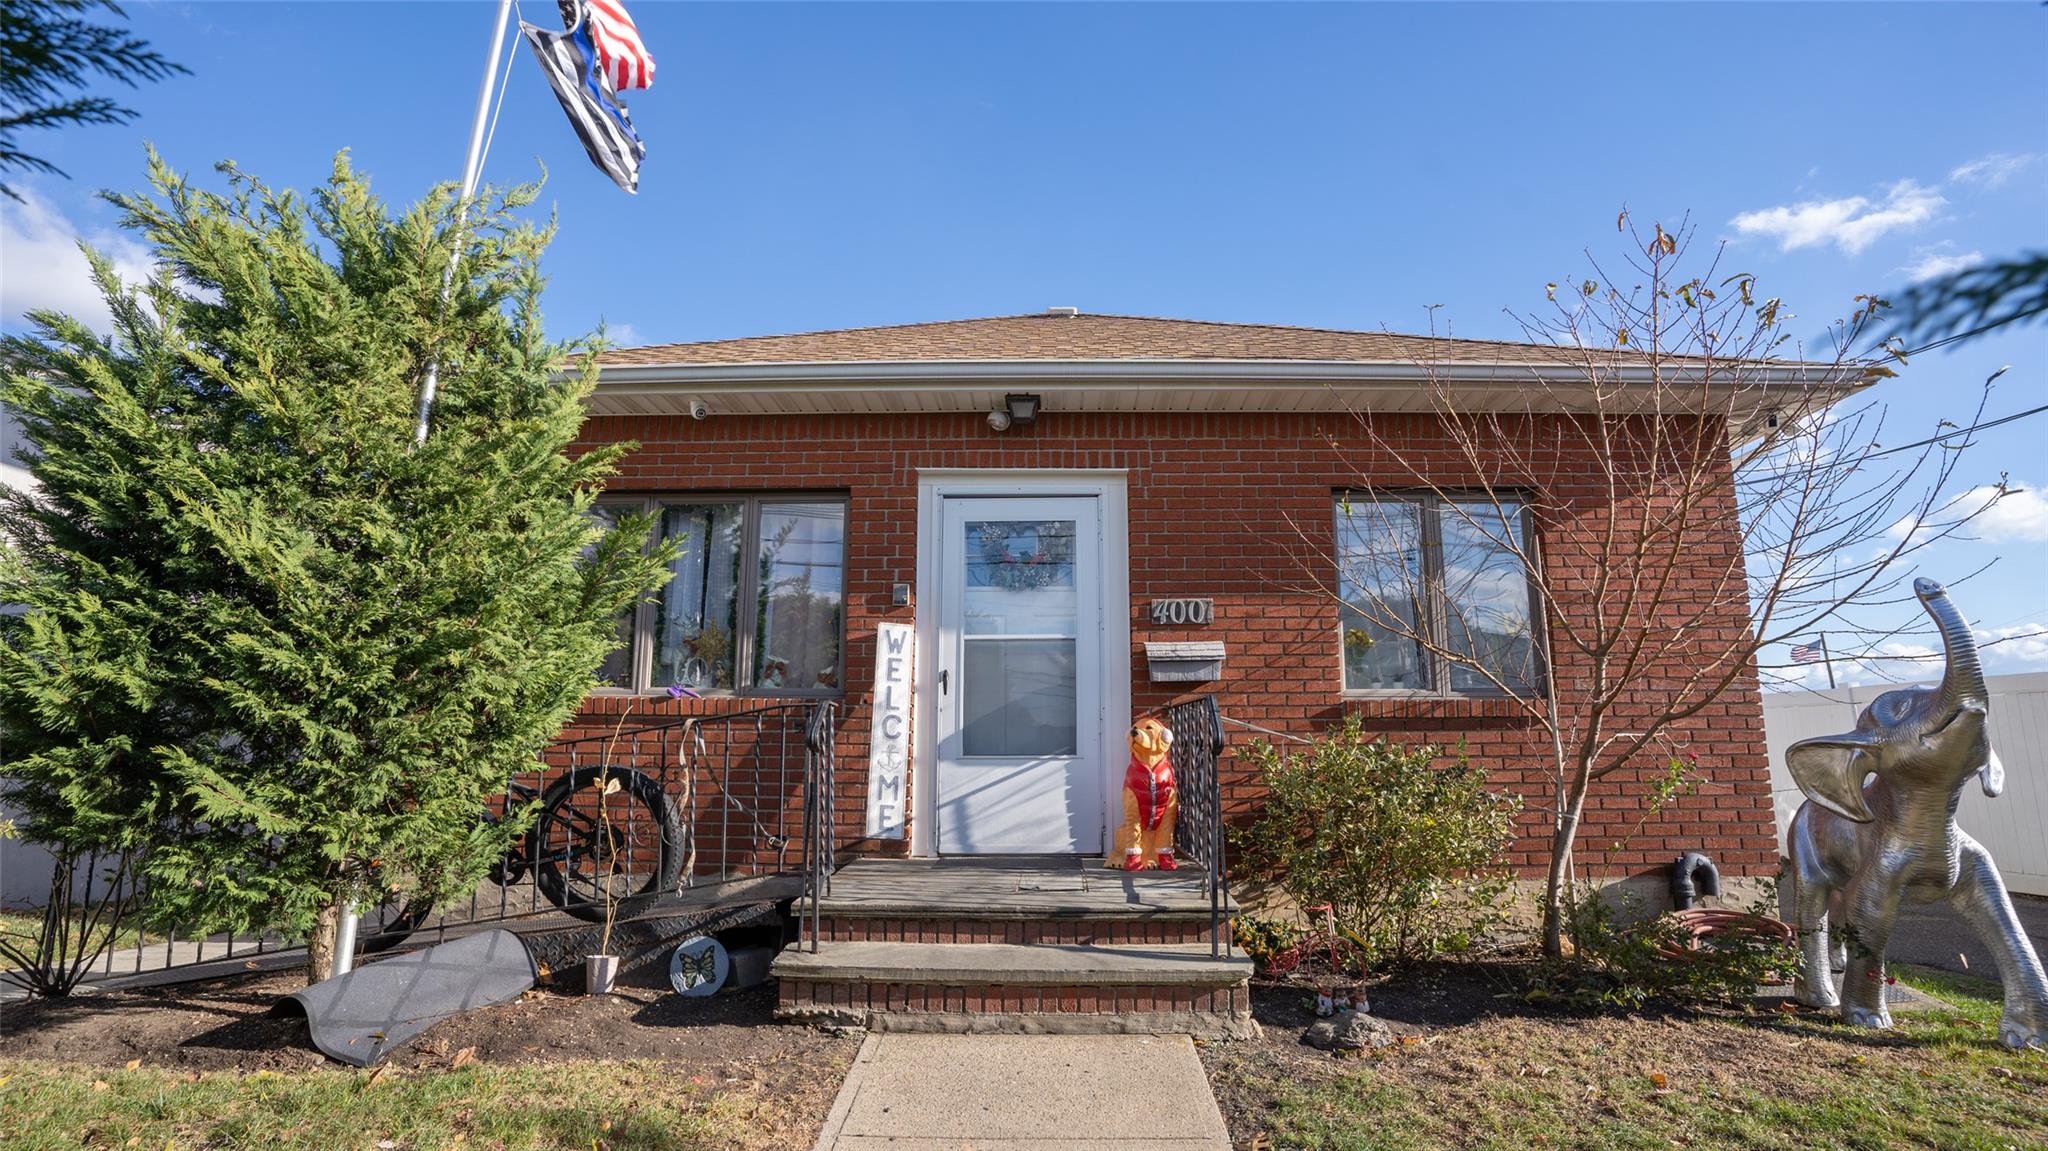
point(1196, 661)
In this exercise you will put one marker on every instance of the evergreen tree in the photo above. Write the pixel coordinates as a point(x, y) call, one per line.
point(47, 47)
point(267, 643)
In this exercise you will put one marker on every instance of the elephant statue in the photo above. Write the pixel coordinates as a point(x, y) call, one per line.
point(1858, 853)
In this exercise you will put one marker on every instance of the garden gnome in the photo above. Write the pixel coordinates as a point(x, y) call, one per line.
point(1150, 804)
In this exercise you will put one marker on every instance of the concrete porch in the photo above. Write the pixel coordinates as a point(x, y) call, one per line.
point(1018, 945)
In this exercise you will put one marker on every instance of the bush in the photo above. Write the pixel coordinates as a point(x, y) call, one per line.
point(1625, 958)
point(1405, 853)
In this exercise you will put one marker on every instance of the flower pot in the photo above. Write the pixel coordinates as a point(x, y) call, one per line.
point(599, 973)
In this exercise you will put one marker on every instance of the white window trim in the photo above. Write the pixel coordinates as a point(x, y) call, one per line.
point(748, 592)
point(1439, 667)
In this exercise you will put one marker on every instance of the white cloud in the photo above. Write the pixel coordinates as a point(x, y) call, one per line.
point(2018, 516)
point(41, 266)
point(2008, 650)
point(1933, 264)
point(621, 335)
point(2021, 647)
point(1852, 223)
point(1995, 169)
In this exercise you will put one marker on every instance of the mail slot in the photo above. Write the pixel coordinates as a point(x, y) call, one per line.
point(1193, 661)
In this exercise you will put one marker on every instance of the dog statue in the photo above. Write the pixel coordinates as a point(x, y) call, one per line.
point(1858, 853)
point(1151, 802)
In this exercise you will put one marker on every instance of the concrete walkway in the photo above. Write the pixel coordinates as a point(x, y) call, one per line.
point(1025, 1093)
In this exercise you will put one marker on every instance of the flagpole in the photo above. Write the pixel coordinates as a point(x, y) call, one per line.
point(472, 174)
point(1827, 661)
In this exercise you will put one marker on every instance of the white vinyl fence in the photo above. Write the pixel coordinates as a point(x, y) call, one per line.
point(2014, 826)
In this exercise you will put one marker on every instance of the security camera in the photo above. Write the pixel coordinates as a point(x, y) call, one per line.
point(999, 420)
point(699, 409)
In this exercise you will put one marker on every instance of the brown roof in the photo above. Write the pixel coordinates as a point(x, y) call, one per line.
point(1088, 336)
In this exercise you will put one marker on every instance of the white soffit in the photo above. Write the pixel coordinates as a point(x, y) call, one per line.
point(899, 386)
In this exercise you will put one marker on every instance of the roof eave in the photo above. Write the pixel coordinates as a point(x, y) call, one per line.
point(825, 375)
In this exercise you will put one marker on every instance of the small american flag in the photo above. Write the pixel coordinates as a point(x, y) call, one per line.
point(618, 45)
point(1809, 653)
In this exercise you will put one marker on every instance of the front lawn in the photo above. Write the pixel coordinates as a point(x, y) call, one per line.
point(573, 1105)
point(1507, 1078)
point(21, 928)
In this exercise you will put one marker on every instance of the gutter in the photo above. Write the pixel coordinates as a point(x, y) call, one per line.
point(1178, 375)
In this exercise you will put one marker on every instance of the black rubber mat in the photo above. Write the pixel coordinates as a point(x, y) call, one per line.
point(360, 1017)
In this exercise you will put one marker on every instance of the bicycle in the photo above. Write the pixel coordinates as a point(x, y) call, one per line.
point(608, 840)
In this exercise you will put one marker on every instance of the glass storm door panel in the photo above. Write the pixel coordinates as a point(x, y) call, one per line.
point(1019, 675)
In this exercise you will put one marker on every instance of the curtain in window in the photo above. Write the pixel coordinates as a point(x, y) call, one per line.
point(696, 614)
point(801, 595)
point(1379, 548)
point(1486, 598)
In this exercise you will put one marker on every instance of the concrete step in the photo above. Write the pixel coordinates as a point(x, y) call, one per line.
point(1017, 988)
point(1005, 889)
point(993, 926)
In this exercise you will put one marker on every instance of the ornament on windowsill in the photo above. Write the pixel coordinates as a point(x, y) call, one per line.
point(1047, 563)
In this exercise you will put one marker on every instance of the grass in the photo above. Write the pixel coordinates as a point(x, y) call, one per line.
point(605, 1106)
point(22, 928)
point(1792, 1082)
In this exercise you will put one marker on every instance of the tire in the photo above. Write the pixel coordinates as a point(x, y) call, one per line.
point(399, 923)
point(568, 859)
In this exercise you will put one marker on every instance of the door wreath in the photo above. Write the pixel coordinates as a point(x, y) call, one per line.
point(1043, 561)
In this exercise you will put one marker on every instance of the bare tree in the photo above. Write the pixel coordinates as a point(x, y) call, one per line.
point(1607, 538)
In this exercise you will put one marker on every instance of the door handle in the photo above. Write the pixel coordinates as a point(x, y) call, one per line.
point(942, 681)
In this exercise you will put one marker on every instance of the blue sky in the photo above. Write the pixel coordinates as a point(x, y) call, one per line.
point(815, 166)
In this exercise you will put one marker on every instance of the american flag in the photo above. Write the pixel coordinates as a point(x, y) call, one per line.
point(618, 45)
point(577, 72)
point(1809, 653)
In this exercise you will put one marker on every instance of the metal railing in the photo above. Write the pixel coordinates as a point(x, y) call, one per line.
point(1197, 727)
point(748, 797)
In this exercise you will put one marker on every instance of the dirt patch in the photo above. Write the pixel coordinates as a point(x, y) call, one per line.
point(225, 1025)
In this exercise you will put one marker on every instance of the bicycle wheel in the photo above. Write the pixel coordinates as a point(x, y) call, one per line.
point(399, 919)
point(606, 835)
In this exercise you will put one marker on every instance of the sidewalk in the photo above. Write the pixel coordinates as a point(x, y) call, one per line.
point(1025, 1093)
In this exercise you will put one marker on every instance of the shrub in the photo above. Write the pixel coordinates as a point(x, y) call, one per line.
point(1621, 957)
point(1406, 853)
point(1263, 938)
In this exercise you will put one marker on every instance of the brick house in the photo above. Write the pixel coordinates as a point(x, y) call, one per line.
point(1083, 518)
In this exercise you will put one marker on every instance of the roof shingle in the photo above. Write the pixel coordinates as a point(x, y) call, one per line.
point(1086, 336)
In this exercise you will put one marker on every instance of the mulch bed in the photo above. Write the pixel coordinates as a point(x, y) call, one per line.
point(225, 1024)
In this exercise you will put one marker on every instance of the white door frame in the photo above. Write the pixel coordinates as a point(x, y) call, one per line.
point(1111, 489)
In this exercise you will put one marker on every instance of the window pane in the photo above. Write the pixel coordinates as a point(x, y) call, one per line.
point(693, 625)
point(1018, 697)
point(796, 635)
point(1020, 578)
point(1379, 559)
point(617, 668)
point(1486, 597)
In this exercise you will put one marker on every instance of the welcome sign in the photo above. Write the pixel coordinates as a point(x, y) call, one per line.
point(889, 737)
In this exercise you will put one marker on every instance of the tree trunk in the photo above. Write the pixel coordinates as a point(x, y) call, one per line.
point(1561, 840)
point(320, 946)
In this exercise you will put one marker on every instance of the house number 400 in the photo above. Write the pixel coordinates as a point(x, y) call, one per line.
point(1183, 611)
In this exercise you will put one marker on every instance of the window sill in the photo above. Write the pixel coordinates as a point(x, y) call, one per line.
point(1423, 705)
point(613, 701)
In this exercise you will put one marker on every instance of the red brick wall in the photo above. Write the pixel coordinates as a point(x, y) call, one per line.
point(1234, 508)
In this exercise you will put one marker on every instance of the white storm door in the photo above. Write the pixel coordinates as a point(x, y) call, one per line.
point(1019, 676)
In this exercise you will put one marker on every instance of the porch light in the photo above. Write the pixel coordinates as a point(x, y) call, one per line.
point(1023, 408)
